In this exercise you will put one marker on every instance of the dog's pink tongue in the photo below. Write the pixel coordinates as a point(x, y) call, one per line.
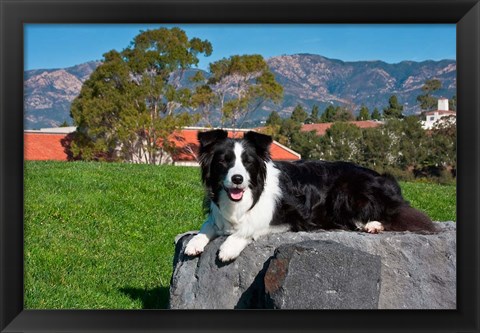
point(236, 193)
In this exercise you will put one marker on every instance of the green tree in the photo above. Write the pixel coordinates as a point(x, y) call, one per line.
point(274, 119)
point(125, 110)
point(242, 84)
point(364, 113)
point(314, 117)
point(287, 129)
point(288, 132)
point(204, 100)
point(413, 145)
point(406, 143)
point(394, 109)
point(392, 129)
point(342, 141)
point(304, 143)
point(273, 125)
point(452, 103)
point(442, 145)
point(299, 115)
point(376, 114)
point(399, 146)
point(343, 114)
point(426, 100)
point(336, 113)
point(328, 115)
point(376, 147)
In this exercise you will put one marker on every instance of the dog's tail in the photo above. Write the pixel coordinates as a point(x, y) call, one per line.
point(407, 218)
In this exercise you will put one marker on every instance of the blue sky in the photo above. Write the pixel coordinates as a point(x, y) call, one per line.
point(65, 45)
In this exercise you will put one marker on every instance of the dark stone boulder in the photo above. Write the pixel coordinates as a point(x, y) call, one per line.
point(322, 275)
point(417, 271)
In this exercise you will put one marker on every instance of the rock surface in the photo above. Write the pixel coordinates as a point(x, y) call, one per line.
point(322, 275)
point(418, 271)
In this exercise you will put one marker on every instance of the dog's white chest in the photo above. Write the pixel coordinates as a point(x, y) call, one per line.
point(230, 218)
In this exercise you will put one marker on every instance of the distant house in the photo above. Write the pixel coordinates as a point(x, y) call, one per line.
point(432, 117)
point(321, 128)
point(47, 144)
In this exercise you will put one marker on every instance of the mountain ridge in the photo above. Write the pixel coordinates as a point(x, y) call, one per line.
point(307, 79)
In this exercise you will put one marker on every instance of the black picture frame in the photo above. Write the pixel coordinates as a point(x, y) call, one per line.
point(464, 13)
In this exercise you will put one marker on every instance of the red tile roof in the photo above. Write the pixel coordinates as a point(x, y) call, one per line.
point(281, 153)
point(44, 146)
point(187, 146)
point(48, 146)
point(322, 128)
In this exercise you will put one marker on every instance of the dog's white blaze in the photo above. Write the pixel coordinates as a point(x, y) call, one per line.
point(238, 168)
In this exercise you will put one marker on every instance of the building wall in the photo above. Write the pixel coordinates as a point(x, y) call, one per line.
point(432, 118)
point(187, 163)
point(443, 104)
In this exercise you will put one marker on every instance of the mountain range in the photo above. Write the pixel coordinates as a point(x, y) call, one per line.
point(307, 79)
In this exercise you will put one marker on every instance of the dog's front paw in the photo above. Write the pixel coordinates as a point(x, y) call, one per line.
point(227, 254)
point(231, 248)
point(374, 227)
point(196, 245)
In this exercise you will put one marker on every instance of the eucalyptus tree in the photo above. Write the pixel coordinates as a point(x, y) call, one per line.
point(133, 101)
point(242, 84)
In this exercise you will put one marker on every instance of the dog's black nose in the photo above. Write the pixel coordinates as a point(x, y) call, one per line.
point(237, 179)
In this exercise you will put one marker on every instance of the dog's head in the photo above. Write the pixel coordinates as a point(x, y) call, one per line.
point(234, 166)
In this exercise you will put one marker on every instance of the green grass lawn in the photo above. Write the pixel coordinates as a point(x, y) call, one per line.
point(438, 201)
point(101, 236)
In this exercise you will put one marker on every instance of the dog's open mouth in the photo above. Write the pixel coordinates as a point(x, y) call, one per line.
point(235, 194)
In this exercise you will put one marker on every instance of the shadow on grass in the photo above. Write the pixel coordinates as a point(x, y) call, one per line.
point(156, 298)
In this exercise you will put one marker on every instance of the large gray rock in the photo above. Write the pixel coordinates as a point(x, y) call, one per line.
point(322, 275)
point(418, 271)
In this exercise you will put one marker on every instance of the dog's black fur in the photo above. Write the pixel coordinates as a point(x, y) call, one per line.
point(335, 195)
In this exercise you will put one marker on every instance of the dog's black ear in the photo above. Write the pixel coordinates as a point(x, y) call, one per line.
point(207, 141)
point(210, 137)
point(261, 142)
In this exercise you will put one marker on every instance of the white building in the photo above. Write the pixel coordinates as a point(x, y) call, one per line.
point(431, 117)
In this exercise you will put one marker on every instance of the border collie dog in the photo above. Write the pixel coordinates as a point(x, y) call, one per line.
point(249, 195)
